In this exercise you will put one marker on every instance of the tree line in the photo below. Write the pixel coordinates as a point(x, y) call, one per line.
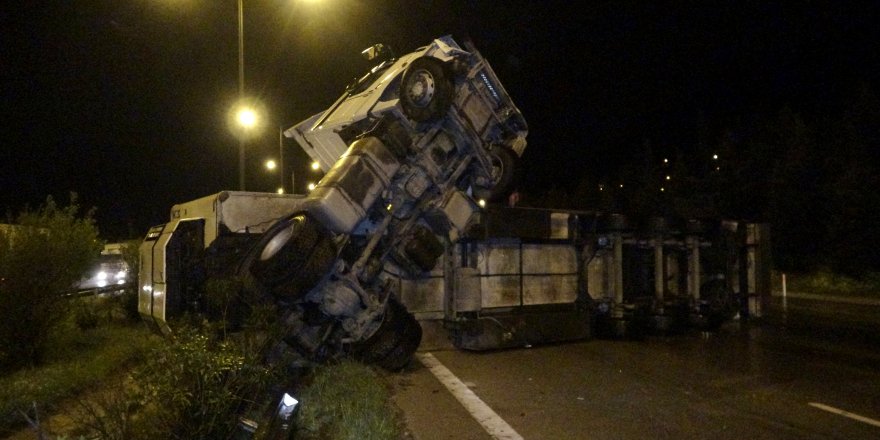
point(814, 176)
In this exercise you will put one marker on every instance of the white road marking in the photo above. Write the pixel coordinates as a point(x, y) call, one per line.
point(848, 414)
point(482, 413)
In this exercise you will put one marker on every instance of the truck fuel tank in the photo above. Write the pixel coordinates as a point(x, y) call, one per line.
point(343, 196)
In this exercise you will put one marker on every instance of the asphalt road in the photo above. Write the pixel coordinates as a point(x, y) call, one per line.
point(781, 379)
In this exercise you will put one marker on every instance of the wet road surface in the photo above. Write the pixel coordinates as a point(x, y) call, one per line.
point(757, 381)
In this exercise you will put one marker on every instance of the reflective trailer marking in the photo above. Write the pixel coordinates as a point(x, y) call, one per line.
point(482, 413)
point(848, 414)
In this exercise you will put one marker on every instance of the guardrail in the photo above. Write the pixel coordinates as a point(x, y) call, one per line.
point(115, 288)
point(858, 300)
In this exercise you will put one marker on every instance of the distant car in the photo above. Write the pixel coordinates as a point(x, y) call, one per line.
point(109, 270)
point(439, 87)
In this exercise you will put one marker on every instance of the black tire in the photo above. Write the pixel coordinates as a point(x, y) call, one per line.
point(505, 163)
point(402, 353)
point(425, 90)
point(393, 344)
point(720, 303)
point(293, 255)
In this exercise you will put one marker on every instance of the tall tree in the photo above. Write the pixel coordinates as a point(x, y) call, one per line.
point(853, 176)
point(795, 197)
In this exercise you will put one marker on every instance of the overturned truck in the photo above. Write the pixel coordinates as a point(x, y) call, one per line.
point(394, 248)
point(409, 150)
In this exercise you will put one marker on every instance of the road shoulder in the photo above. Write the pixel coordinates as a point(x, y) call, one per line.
point(429, 410)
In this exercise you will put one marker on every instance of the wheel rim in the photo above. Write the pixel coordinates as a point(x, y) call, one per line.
point(420, 89)
point(277, 242)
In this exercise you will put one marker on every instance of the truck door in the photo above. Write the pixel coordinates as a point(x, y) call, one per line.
point(172, 270)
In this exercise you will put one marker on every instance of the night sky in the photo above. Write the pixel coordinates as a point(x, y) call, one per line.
point(125, 101)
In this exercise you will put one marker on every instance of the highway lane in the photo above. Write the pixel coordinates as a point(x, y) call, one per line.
point(844, 321)
point(751, 381)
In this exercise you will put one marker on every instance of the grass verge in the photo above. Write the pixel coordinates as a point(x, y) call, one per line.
point(347, 401)
point(117, 381)
point(80, 360)
point(825, 282)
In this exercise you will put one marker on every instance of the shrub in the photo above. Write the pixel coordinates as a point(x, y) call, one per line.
point(41, 257)
point(346, 401)
point(85, 313)
point(129, 297)
point(76, 361)
point(824, 281)
point(196, 386)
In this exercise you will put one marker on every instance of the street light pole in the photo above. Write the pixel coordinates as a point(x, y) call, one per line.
point(281, 160)
point(281, 157)
point(240, 90)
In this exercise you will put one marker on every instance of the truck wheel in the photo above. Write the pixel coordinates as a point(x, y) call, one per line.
point(504, 169)
point(720, 304)
point(425, 90)
point(394, 343)
point(409, 340)
point(293, 255)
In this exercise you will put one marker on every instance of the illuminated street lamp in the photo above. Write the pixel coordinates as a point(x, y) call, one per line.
point(271, 165)
point(246, 119)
